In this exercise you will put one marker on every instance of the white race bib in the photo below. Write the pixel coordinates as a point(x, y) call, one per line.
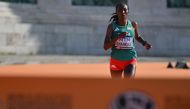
point(124, 43)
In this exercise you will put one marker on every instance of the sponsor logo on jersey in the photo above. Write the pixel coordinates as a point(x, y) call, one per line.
point(116, 29)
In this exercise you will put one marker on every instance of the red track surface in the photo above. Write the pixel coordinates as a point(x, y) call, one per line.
point(144, 70)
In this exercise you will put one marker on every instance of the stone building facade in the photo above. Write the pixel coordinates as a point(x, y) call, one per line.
point(58, 27)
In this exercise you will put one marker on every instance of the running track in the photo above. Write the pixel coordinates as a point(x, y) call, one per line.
point(144, 70)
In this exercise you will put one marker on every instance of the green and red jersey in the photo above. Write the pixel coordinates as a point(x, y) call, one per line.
point(124, 48)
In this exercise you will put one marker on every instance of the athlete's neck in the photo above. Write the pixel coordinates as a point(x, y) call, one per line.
point(122, 22)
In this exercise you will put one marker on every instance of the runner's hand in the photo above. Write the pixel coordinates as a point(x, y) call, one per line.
point(147, 46)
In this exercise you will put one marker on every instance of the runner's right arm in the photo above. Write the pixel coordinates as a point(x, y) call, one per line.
point(109, 42)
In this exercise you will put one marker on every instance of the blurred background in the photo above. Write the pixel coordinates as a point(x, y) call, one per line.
point(73, 31)
point(78, 27)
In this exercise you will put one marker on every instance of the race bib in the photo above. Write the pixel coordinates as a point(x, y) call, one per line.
point(124, 43)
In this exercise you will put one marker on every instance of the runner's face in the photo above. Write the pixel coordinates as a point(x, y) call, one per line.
point(122, 12)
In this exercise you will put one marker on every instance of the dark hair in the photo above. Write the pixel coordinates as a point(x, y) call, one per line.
point(114, 16)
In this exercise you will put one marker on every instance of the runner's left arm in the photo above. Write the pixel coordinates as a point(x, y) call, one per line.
point(139, 38)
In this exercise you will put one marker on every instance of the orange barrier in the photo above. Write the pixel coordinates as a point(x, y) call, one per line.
point(80, 93)
point(66, 87)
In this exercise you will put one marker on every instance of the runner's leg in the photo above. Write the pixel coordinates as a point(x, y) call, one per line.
point(129, 71)
point(116, 73)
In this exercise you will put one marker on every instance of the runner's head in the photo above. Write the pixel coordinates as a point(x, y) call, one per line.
point(122, 11)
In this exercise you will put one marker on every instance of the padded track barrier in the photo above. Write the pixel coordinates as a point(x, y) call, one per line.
point(85, 93)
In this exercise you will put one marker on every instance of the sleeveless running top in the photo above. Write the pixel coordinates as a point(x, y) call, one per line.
point(124, 48)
